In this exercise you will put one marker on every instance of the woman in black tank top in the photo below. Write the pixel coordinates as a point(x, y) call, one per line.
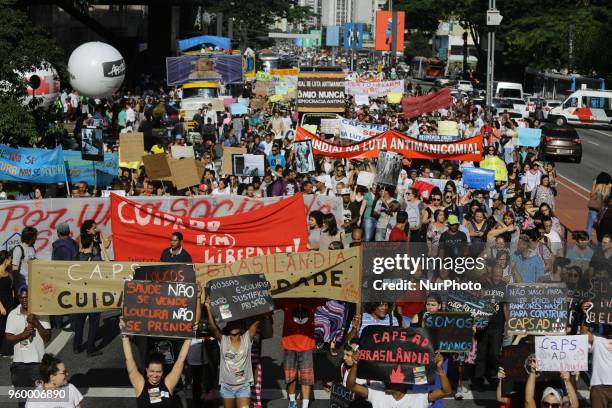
point(155, 390)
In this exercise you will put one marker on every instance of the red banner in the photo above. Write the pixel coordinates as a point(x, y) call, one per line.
point(141, 233)
point(414, 106)
point(392, 141)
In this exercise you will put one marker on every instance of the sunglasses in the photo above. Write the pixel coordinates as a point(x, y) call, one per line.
point(550, 404)
point(436, 199)
point(573, 275)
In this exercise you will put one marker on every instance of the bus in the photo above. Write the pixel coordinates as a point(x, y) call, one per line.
point(427, 68)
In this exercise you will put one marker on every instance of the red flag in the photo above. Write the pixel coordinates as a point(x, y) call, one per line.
point(414, 106)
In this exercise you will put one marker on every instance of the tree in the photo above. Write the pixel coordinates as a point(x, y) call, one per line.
point(23, 48)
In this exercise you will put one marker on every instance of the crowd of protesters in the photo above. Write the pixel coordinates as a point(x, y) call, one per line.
point(514, 227)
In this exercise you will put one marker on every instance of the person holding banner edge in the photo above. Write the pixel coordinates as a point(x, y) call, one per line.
point(551, 397)
point(396, 395)
point(154, 390)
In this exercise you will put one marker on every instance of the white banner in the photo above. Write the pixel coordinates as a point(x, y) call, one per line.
point(562, 353)
point(47, 214)
point(358, 131)
point(374, 89)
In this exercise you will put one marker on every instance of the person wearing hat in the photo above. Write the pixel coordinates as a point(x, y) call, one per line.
point(64, 248)
point(551, 397)
point(453, 243)
point(28, 334)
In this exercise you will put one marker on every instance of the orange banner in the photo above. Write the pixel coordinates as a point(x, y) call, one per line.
point(393, 141)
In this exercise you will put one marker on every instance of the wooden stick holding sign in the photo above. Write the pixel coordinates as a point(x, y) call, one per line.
point(161, 309)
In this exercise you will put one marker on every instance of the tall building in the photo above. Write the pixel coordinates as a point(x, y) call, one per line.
point(315, 5)
point(336, 12)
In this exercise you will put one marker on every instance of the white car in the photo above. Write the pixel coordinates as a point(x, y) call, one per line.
point(465, 86)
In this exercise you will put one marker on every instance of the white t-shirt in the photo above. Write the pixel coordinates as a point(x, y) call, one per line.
point(28, 254)
point(380, 399)
point(130, 115)
point(602, 361)
point(70, 397)
point(26, 351)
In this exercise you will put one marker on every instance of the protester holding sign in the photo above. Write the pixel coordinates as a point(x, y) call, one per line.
point(236, 374)
point(154, 389)
point(551, 397)
point(397, 395)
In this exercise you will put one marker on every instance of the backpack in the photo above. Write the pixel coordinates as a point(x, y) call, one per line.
point(22, 255)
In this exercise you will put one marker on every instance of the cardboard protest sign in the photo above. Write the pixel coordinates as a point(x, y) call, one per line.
point(132, 146)
point(536, 308)
point(365, 178)
point(320, 92)
point(448, 128)
point(257, 103)
point(239, 297)
point(362, 100)
point(178, 152)
point(160, 309)
point(562, 353)
point(239, 108)
point(157, 167)
point(330, 126)
point(226, 163)
point(463, 301)
point(396, 355)
point(166, 273)
point(217, 105)
point(452, 331)
point(340, 396)
point(184, 173)
point(394, 97)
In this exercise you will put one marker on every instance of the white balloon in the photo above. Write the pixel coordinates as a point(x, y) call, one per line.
point(96, 69)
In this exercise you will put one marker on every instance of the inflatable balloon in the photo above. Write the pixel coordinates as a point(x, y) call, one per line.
point(47, 84)
point(96, 69)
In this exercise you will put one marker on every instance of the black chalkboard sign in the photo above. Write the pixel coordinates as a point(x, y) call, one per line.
point(601, 311)
point(340, 396)
point(396, 355)
point(515, 361)
point(537, 308)
point(161, 309)
point(239, 297)
point(452, 331)
point(166, 273)
point(479, 308)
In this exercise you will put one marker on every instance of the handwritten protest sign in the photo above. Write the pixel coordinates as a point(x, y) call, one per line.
point(601, 311)
point(132, 146)
point(67, 287)
point(452, 331)
point(228, 152)
point(396, 355)
point(179, 152)
point(166, 273)
point(161, 309)
point(239, 297)
point(365, 178)
point(184, 173)
point(562, 353)
point(536, 308)
point(515, 361)
point(340, 396)
point(156, 166)
point(480, 309)
point(30, 165)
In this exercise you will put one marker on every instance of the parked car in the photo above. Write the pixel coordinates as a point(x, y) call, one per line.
point(465, 86)
point(561, 142)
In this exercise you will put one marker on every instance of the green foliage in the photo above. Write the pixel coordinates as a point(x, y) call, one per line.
point(417, 44)
point(23, 48)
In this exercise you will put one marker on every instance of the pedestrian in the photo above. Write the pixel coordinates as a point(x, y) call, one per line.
point(7, 301)
point(22, 254)
point(63, 249)
point(28, 334)
point(59, 393)
point(551, 397)
point(602, 186)
point(176, 253)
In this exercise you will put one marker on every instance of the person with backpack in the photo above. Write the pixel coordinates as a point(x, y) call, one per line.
point(23, 253)
point(64, 249)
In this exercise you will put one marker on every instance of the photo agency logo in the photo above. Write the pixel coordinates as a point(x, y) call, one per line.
point(402, 271)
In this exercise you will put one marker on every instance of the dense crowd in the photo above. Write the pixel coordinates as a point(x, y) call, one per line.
point(514, 227)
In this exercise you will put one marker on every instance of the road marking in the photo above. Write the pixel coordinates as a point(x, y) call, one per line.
point(601, 133)
point(59, 342)
point(267, 394)
point(593, 143)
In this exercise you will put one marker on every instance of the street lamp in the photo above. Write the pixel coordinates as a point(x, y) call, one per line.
point(493, 20)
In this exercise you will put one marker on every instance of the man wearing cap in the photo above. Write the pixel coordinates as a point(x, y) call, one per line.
point(28, 333)
point(453, 243)
point(64, 249)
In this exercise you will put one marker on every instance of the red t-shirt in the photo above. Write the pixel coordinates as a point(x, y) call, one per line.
point(296, 336)
point(398, 234)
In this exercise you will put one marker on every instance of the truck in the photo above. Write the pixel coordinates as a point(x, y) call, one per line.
point(195, 96)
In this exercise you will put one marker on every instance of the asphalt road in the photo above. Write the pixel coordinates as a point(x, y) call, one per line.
point(596, 157)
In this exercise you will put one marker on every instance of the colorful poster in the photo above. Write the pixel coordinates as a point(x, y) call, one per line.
point(45, 215)
point(353, 36)
point(358, 131)
point(332, 36)
point(384, 27)
point(465, 149)
point(141, 232)
point(374, 89)
point(413, 106)
point(83, 170)
point(31, 165)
